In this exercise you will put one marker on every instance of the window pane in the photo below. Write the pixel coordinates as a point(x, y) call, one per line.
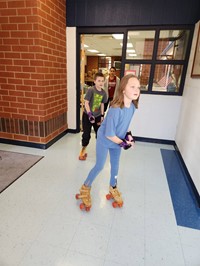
point(142, 71)
point(172, 44)
point(167, 78)
point(140, 44)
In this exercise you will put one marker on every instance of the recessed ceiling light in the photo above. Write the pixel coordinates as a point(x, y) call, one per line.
point(101, 54)
point(92, 51)
point(132, 54)
point(129, 45)
point(85, 45)
point(118, 36)
point(130, 51)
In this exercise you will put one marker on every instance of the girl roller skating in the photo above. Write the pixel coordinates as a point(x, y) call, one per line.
point(113, 135)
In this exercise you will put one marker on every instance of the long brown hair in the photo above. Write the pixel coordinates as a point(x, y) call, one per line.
point(118, 101)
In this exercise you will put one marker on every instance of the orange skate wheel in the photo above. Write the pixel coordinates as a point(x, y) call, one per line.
point(82, 206)
point(120, 205)
point(77, 196)
point(87, 209)
point(108, 196)
point(114, 204)
point(82, 158)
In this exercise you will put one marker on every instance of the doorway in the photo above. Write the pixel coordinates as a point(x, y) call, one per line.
point(98, 53)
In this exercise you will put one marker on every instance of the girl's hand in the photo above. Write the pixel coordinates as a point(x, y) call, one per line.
point(132, 143)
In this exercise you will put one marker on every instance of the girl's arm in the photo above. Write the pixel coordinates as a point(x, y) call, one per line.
point(102, 109)
point(117, 140)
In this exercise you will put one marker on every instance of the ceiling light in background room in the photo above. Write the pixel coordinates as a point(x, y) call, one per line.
point(129, 45)
point(92, 51)
point(130, 51)
point(85, 45)
point(132, 55)
point(101, 54)
point(118, 36)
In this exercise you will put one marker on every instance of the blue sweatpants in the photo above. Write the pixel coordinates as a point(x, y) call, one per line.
point(101, 155)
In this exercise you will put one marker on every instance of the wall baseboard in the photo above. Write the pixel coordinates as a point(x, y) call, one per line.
point(33, 144)
point(188, 176)
point(151, 140)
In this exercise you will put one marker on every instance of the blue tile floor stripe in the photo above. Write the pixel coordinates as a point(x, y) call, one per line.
point(186, 210)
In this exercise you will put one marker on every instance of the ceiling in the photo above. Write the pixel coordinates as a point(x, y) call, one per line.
point(111, 44)
point(103, 43)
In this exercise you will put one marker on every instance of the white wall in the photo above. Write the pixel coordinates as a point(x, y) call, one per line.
point(156, 117)
point(188, 132)
point(71, 76)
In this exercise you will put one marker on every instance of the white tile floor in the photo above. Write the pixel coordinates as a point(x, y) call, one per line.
point(41, 223)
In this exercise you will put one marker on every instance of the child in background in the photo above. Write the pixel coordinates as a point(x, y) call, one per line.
point(111, 86)
point(113, 135)
point(93, 114)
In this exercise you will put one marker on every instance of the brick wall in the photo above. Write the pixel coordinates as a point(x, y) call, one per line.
point(33, 96)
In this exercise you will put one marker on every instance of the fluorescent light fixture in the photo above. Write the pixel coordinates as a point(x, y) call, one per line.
point(129, 45)
point(130, 51)
point(101, 54)
point(132, 54)
point(118, 36)
point(92, 51)
point(85, 45)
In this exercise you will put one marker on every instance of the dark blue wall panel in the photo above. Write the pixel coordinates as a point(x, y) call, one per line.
point(86, 13)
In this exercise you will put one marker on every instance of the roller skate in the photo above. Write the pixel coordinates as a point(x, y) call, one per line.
point(116, 196)
point(85, 197)
point(83, 154)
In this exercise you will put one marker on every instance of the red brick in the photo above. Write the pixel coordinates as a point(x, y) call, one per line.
point(26, 41)
point(20, 48)
point(31, 3)
point(31, 95)
point(18, 34)
point(16, 93)
point(11, 41)
point(27, 56)
point(10, 110)
point(9, 98)
point(24, 11)
point(4, 34)
point(13, 68)
point(20, 137)
point(12, 55)
point(9, 26)
point(21, 62)
point(36, 63)
point(18, 19)
point(32, 19)
point(22, 75)
point(16, 4)
point(30, 70)
point(5, 135)
point(30, 82)
point(5, 48)
point(8, 12)
point(25, 111)
point(18, 105)
point(25, 27)
point(14, 81)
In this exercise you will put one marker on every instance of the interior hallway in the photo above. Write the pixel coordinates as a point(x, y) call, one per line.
point(41, 223)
